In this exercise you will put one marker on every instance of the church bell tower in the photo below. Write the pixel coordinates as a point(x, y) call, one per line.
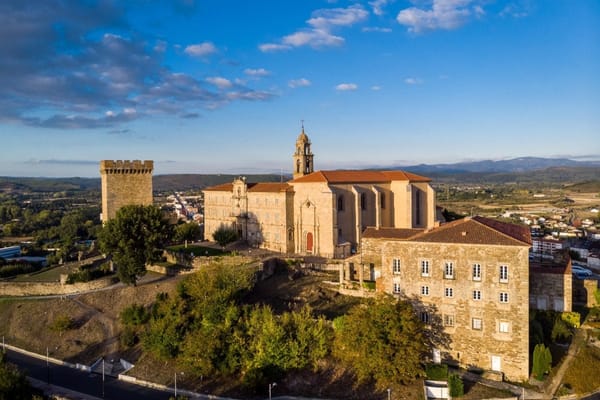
point(303, 157)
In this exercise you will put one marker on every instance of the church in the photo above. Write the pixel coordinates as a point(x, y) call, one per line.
point(322, 213)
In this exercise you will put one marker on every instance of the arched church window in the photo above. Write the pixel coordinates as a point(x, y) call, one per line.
point(340, 203)
point(298, 166)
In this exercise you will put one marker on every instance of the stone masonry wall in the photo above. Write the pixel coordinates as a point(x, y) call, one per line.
point(125, 183)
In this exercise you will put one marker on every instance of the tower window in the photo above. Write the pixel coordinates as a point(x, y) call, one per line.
point(382, 200)
point(298, 166)
point(363, 201)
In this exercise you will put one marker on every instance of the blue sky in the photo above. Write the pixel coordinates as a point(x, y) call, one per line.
point(221, 86)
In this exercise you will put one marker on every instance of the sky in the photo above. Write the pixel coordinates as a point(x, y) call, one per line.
point(225, 86)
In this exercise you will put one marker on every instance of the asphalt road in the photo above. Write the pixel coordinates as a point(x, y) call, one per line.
point(83, 382)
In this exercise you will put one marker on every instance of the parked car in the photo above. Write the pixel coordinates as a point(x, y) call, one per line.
point(577, 270)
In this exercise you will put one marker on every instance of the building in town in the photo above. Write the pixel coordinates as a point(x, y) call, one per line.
point(319, 212)
point(472, 275)
point(124, 183)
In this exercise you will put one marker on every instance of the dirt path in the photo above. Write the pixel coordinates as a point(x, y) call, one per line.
point(111, 343)
point(578, 340)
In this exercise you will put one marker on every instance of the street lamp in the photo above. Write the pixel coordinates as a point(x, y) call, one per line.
point(271, 386)
point(176, 384)
point(389, 393)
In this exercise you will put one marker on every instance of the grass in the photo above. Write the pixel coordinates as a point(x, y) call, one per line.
point(582, 375)
point(199, 250)
point(51, 274)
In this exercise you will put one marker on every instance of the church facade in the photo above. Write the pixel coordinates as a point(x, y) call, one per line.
point(319, 212)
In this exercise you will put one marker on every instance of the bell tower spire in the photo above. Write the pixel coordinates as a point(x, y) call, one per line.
point(303, 157)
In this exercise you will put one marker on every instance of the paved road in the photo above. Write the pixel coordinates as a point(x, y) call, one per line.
point(83, 382)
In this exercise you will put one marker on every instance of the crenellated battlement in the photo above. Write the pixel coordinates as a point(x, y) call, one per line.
point(126, 167)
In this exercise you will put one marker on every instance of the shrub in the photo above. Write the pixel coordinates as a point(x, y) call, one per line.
point(134, 315)
point(436, 372)
point(225, 235)
point(128, 337)
point(62, 323)
point(542, 359)
point(573, 319)
point(456, 386)
point(560, 330)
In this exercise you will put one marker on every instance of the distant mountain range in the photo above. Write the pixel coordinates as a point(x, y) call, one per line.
point(521, 164)
point(524, 170)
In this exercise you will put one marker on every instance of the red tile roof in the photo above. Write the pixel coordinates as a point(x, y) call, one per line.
point(359, 176)
point(476, 230)
point(394, 233)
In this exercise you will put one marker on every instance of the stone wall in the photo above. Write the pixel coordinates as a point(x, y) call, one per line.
point(502, 332)
point(51, 288)
point(551, 290)
point(583, 292)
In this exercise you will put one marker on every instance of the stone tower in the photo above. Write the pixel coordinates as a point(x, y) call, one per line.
point(124, 183)
point(303, 157)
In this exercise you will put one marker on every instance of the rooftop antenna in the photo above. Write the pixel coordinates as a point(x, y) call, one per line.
point(302, 124)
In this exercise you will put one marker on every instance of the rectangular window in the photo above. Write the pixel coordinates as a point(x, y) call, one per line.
point(396, 265)
point(503, 297)
point(425, 290)
point(424, 267)
point(424, 315)
point(503, 327)
point(382, 200)
point(504, 273)
point(476, 272)
point(363, 201)
point(476, 324)
point(448, 292)
point(449, 270)
point(476, 294)
point(448, 320)
point(397, 288)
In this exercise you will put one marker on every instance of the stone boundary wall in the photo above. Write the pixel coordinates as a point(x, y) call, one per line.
point(52, 288)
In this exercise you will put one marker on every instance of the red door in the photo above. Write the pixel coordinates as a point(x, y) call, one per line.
point(309, 242)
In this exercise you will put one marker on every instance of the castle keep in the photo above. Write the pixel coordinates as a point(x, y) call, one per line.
point(125, 182)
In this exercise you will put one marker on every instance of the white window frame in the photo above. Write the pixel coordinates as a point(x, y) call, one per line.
point(448, 320)
point(448, 292)
point(397, 289)
point(477, 295)
point(476, 324)
point(425, 268)
point(425, 290)
point(503, 272)
point(503, 297)
point(396, 266)
point(504, 327)
point(476, 272)
point(449, 270)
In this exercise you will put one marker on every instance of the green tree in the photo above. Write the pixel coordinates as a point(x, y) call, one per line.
point(542, 360)
point(13, 383)
point(456, 386)
point(132, 237)
point(382, 340)
point(225, 235)
point(188, 231)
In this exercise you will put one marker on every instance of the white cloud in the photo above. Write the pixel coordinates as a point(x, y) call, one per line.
point(200, 49)
point(302, 82)
point(344, 87)
point(443, 14)
point(257, 72)
point(413, 81)
point(319, 32)
point(314, 38)
point(515, 11)
point(376, 29)
point(378, 6)
point(375, 87)
point(271, 47)
point(221, 83)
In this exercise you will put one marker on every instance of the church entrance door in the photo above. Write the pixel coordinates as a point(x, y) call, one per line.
point(309, 242)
